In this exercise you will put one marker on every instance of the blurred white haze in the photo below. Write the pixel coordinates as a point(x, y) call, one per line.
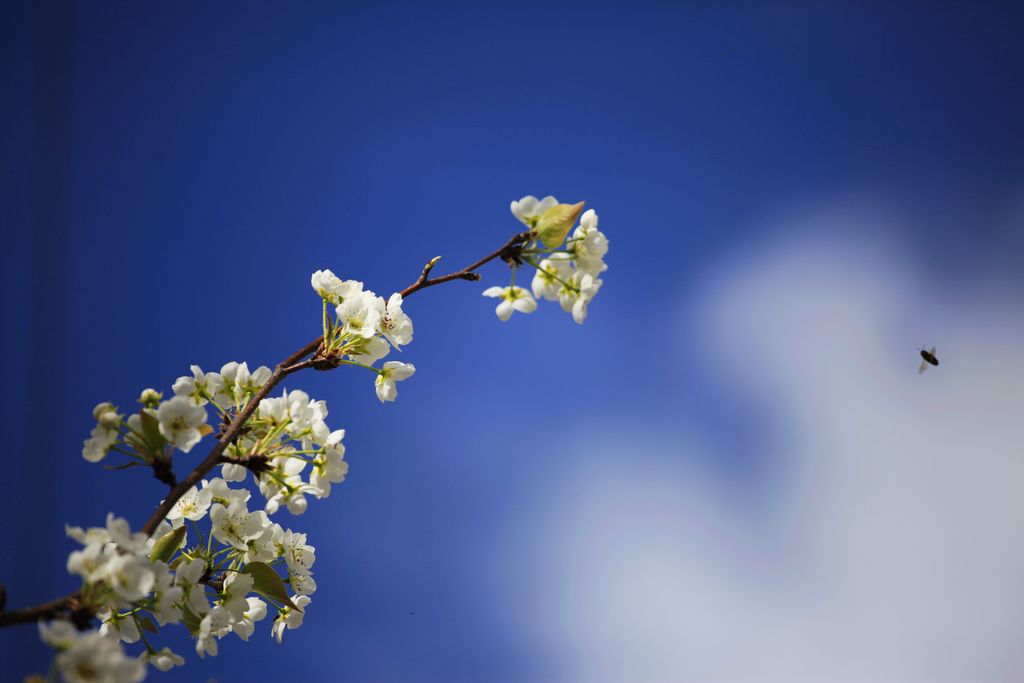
point(892, 544)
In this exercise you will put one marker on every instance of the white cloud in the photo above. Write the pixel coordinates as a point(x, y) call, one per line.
point(891, 546)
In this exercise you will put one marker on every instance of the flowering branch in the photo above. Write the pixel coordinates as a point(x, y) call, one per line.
point(156, 572)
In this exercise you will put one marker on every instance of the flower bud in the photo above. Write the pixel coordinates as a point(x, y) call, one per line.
point(150, 398)
point(101, 408)
point(110, 420)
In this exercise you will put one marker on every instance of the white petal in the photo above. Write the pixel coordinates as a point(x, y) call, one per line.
point(504, 310)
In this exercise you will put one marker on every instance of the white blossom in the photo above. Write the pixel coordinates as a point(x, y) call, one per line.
point(131, 577)
point(289, 618)
point(393, 371)
point(119, 625)
point(255, 611)
point(235, 525)
point(164, 659)
point(331, 288)
point(551, 272)
point(394, 324)
point(187, 578)
point(369, 351)
point(200, 387)
point(224, 494)
point(360, 314)
point(529, 208)
point(588, 287)
point(193, 505)
point(99, 442)
point(180, 420)
point(236, 587)
point(214, 622)
point(512, 299)
point(589, 245)
point(90, 656)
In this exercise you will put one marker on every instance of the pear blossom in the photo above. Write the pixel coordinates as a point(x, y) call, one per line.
point(130, 576)
point(166, 595)
point(200, 387)
point(224, 494)
point(99, 443)
point(529, 208)
point(329, 466)
point(285, 486)
point(298, 555)
point(193, 505)
point(121, 534)
point(236, 587)
point(333, 289)
point(234, 525)
point(93, 657)
point(180, 420)
point(118, 625)
point(105, 434)
point(214, 622)
point(256, 610)
point(588, 287)
point(589, 245)
point(369, 351)
point(60, 634)
point(232, 471)
point(247, 384)
point(393, 371)
point(288, 618)
point(512, 299)
point(361, 313)
point(551, 272)
point(394, 324)
point(187, 578)
point(164, 659)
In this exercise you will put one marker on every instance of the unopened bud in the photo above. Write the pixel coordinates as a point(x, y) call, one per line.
point(150, 398)
point(101, 408)
point(110, 420)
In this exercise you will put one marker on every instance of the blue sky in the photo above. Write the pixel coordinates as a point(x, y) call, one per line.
point(798, 196)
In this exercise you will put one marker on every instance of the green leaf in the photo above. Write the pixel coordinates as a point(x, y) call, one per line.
point(167, 544)
point(155, 441)
point(266, 581)
point(555, 223)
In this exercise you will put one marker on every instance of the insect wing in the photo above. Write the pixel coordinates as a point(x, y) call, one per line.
point(923, 367)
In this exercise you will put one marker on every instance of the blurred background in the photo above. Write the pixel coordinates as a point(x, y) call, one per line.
point(731, 472)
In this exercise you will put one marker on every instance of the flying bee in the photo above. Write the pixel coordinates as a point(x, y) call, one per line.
point(928, 358)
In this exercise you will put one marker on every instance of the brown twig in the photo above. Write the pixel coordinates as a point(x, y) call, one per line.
point(505, 251)
point(299, 360)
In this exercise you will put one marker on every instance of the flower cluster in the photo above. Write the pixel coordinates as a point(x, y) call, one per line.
point(225, 579)
point(217, 563)
point(363, 330)
point(222, 583)
point(565, 273)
